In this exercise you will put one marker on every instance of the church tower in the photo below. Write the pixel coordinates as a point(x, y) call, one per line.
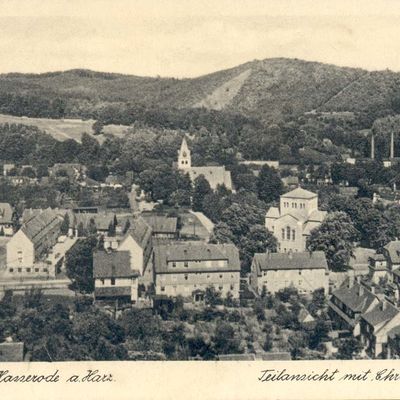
point(184, 159)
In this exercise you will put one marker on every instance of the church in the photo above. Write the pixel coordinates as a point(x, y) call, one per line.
point(292, 222)
point(215, 175)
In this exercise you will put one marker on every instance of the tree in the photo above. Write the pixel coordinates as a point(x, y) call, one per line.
point(29, 172)
point(81, 230)
point(335, 237)
point(212, 297)
point(97, 127)
point(111, 229)
point(127, 226)
point(222, 234)
point(348, 348)
point(258, 240)
point(64, 228)
point(201, 189)
point(269, 184)
point(79, 265)
point(224, 339)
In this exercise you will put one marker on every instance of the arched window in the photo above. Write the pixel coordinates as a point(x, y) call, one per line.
point(283, 234)
point(288, 233)
point(293, 234)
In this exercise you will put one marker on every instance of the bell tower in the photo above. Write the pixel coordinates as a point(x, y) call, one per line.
point(184, 159)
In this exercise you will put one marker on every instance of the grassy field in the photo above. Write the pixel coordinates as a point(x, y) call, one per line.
point(63, 129)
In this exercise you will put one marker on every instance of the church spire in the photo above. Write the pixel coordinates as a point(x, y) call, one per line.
point(184, 158)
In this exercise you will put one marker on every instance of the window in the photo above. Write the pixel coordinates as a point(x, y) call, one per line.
point(11, 270)
point(299, 271)
point(163, 288)
point(28, 270)
point(36, 269)
point(293, 234)
point(45, 270)
point(102, 281)
point(173, 264)
point(220, 287)
point(186, 277)
point(283, 234)
point(232, 287)
point(220, 276)
point(19, 269)
point(112, 281)
point(288, 233)
point(186, 264)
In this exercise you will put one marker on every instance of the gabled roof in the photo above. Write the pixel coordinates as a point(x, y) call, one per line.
point(355, 299)
point(215, 175)
point(300, 193)
point(11, 351)
point(161, 224)
point(39, 225)
point(140, 231)
point(6, 213)
point(360, 258)
point(165, 254)
point(287, 261)
point(101, 220)
point(111, 265)
point(393, 249)
point(382, 312)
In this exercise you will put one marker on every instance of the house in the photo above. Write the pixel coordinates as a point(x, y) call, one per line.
point(360, 260)
point(293, 221)
point(304, 271)
point(349, 302)
point(378, 269)
point(306, 320)
point(291, 182)
point(392, 254)
point(113, 277)
point(6, 219)
point(376, 324)
point(32, 242)
point(12, 351)
point(162, 227)
point(138, 242)
point(7, 168)
point(188, 269)
point(215, 175)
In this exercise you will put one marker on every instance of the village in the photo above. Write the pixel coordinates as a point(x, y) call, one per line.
point(295, 281)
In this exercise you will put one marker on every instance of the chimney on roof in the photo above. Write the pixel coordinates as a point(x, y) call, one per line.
point(358, 279)
point(384, 305)
point(360, 290)
point(351, 281)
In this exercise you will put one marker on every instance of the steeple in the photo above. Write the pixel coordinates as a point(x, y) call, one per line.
point(184, 159)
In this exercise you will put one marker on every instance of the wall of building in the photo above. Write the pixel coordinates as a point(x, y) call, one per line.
point(20, 251)
point(106, 282)
point(305, 280)
point(136, 252)
point(183, 284)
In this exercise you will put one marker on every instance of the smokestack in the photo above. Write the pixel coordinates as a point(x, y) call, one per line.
point(372, 146)
point(392, 144)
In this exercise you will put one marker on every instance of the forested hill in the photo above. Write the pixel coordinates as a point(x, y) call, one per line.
point(268, 90)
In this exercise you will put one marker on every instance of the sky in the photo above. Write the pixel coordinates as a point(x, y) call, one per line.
point(187, 38)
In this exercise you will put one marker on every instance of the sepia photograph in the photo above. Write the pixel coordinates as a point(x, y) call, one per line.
point(199, 181)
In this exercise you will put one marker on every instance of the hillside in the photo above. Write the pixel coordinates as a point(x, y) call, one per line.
point(271, 89)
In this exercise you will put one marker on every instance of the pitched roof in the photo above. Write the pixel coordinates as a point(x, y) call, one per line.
point(101, 220)
point(111, 265)
point(161, 224)
point(39, 225)
point(215, 175)
point(286, 261)
point(11, 351)
point(382, 312)
point(393, 249)
point(114, 291)
point(195, 252)
point(276, 356)
point(300, 193)
point(357, 298)
point(273, 212)
point(237, 357)
point(6, 213)
point(141, 231)
point(317, 215)
point(360, 258)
